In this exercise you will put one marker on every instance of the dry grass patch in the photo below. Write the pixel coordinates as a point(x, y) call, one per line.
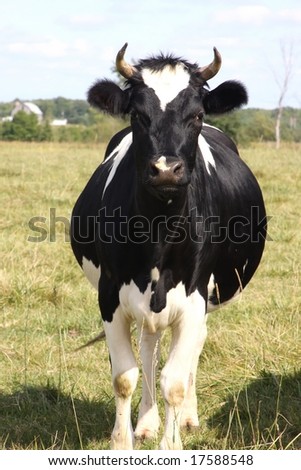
point(249, 381)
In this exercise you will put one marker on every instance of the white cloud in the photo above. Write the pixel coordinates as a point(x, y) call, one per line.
point(291, 14)
point(108, 53)
point(85, 20)
point(51, 48)
point(81, 46)
point(254, 14)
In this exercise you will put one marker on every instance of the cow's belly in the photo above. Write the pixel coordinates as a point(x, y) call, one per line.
point(215, 300)
point(135, 305)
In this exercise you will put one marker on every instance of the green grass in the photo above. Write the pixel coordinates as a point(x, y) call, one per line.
point(249, 381)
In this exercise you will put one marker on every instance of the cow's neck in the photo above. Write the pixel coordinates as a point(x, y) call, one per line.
point(162, 217)
point(167, 243)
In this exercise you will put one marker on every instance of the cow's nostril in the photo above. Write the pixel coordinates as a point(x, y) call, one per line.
point(154, 170)
point(162, 167)
point(166, 172)
point(177, 168)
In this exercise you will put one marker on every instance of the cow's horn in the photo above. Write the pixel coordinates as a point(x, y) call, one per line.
point(210, 70)
point(125, 69)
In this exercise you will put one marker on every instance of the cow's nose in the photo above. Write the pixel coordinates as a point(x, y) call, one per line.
point(165, 172)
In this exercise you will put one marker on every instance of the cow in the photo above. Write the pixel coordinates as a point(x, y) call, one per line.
point(170, 226)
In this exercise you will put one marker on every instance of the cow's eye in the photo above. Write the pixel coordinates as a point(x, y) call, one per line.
point(199, 116)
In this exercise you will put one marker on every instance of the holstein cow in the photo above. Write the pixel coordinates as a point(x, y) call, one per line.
point(170, 226)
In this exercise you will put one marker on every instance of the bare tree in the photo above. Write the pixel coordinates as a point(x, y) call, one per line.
point(283, 84)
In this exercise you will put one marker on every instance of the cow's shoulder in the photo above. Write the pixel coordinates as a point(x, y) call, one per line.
point(116, 140)
point(216, 137)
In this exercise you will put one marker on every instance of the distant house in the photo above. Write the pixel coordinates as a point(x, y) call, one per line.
point(59, 122)
point(7, 119)
point(28, 108)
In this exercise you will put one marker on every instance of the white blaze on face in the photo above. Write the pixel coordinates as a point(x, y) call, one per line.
point(167, 83)
point(161, 164)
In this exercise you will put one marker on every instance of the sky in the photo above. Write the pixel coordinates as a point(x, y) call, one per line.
point(51, 48)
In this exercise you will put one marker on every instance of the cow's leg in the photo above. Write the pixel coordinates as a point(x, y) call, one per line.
point(148, 418)
point(124, 376)
point(187, 336)
point(189, 417)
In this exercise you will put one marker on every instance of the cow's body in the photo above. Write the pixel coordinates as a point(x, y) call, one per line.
point(164, 242)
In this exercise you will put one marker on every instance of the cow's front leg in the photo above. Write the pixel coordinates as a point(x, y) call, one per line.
point(148, 418)
point(187, 336)
point(124, 377)
point(189, 416)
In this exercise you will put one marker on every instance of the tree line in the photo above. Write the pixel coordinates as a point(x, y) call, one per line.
point(87, 125)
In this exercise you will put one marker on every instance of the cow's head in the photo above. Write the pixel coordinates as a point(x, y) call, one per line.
point(167, 98)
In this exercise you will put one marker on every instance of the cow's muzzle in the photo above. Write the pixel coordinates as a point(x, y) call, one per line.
point(167, 174)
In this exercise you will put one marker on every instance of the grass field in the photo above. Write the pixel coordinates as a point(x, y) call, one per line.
point(249, 381)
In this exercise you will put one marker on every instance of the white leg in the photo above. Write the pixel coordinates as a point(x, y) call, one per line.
point(148, 418)
point(124, 376)
point(189, 417)
point(187, 334)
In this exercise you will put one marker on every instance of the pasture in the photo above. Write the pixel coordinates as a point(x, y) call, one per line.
point(51, 397)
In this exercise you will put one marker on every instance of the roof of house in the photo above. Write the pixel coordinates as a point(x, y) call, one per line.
point(33, 108)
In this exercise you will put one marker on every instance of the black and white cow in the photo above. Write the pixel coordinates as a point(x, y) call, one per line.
point(170, 226)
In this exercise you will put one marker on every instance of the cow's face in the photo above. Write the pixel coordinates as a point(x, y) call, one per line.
point(166, 118)
point(166, 100)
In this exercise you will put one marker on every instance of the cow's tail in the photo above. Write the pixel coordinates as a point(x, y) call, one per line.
point(100, 337)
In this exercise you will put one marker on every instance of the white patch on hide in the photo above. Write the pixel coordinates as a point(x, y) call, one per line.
point(119, 152)
point(206, 153)
point(91, 271)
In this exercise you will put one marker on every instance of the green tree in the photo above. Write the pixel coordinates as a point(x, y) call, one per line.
point(230, 124)
point(23, 127)
point(45, 132)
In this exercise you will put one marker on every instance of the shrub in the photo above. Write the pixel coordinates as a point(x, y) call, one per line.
point(25, 127)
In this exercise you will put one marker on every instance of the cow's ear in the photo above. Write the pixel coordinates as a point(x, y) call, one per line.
point(226, 97)
point(108, 97)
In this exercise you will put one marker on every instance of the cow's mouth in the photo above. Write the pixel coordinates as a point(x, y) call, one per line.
point(167, 191)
